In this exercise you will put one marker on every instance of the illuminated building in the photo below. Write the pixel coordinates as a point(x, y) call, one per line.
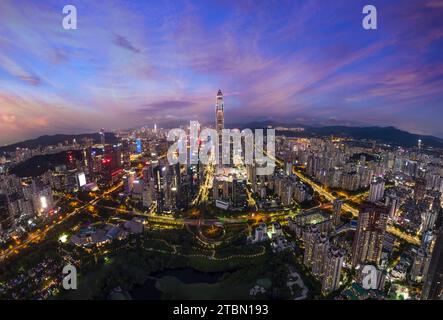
point(70, 161)
point(128, 181)
point(309, 238)
point(376, 190)
point(159, 181)
point(43, 201)
point(102, 136)
point(433, 281)
point(393, 202)
point(420, 265)
point(81, 179)
point(332, 269)
point(219, 113)
point(371, 228)
point(126, 153)
point(337, 212)
point(319, 254)
point(138, 146)
point(111, 163)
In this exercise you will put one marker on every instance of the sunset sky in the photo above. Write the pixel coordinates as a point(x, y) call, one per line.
point(134, 63)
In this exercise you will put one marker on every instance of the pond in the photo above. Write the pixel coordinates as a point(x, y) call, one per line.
point(148, 291)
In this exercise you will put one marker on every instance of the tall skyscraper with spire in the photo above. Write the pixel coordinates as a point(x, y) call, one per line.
point(219, 113)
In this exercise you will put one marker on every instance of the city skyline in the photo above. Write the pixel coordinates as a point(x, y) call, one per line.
point(131, 64)
point(341, 218)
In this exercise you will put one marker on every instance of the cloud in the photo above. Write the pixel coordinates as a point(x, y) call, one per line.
point(8, 118)
point(133, 62)
point(125, 43)
point(166, 105)
point(15, 70)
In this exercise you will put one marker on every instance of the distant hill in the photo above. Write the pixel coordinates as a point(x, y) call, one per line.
point(47, 140)
point(388, 135)
point(38, 165)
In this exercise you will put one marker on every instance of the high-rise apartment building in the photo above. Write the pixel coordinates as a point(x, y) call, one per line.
point(433, 281)
point(371, 228)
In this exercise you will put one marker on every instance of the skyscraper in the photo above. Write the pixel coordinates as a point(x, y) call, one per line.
point(309, 239)
point(219, 113)
point(102, 136)
point(319, 254)
point(433, 282)
point(337, 212)
point(376, 190)
point(371, 228)
point(332, 269)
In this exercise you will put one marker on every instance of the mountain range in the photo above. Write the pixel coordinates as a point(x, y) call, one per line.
point(388, 135)
point(49, 140)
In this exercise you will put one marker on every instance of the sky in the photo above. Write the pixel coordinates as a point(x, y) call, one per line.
point(133, 63)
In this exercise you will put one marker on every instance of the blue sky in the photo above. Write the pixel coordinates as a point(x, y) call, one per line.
point(133, 63)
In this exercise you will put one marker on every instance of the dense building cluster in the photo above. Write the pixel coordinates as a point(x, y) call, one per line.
point(340, 206)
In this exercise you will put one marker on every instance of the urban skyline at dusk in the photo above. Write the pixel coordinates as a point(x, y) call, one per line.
point(144, 62)
point(251, 152)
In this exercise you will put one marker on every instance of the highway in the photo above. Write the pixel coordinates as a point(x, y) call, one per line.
point(330, 197)
point(40, 234)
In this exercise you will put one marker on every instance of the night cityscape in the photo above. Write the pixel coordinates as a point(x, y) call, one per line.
point(221, 150)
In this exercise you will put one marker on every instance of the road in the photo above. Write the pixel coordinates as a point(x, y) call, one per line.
point(330, 197)
point(40, 234)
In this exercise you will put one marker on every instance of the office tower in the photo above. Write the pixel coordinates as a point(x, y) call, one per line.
point(219, 113)
point(219, 120)
point(371, 227)
point(433, 280)
point(128, 181)
point(138, 146)
point(111, 163)
point(70, 161)
point(376, 190)
point(148, 185)
point(159, 181)
point(337, 212)
point(126, 153)
point(251, 171)
point(332, 269)
point(102, 136)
